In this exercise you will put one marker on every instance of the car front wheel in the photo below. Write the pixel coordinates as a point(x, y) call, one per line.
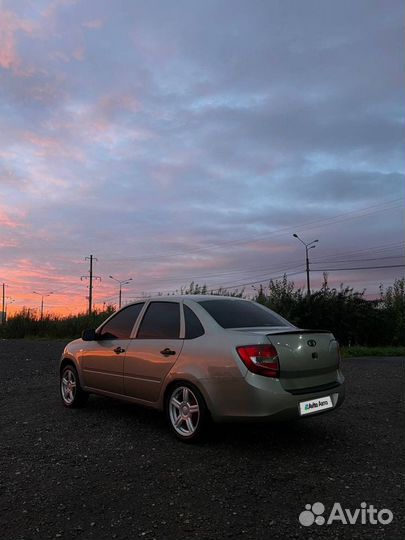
point(186, 412)
point(71, 392)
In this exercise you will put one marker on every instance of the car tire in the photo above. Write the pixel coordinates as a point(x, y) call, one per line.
point(186, 412)
point(71, 391)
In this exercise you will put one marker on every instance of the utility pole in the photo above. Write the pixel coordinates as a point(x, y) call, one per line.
point(90, 277)
point(308, 246)
point(121, 283)
point(90, 284)
point(3, 309)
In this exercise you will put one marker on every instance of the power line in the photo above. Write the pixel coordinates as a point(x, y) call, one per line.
point(354, 214)
point(358, 268)
point(258, 278)
point(268, 278)
point(222, 274)
point(325, 260)
point(379, 249)
point(348, 215)
point(258, 273)
point(287, 274)
point(361, 260)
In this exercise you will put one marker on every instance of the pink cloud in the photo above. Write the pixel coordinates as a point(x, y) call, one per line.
point(7, 243)
point(7, 221)
point(10, 24)
point(93, 24)
point(263, 246)
point(110, 104)
point(47, 146)
point(51, 10)
point(37, 140)
point(79, 53)
point(101, 122)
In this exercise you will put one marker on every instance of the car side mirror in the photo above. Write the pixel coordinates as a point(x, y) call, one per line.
point(89, 335)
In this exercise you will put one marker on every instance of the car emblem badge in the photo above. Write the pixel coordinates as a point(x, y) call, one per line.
point(311, 342)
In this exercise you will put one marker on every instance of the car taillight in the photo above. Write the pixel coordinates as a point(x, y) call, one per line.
point(260, 359)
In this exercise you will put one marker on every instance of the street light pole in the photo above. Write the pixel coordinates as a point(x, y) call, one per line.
point(308, 246)
point(42, 302)
point(307, 269)
point(121, 283)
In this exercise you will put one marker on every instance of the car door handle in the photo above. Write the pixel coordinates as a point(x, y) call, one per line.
point(119, 350)
point(167, 352)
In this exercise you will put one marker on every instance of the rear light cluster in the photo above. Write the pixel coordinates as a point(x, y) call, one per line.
point(260, 359)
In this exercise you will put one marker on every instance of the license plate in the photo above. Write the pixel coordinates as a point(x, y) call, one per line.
point(315, 405)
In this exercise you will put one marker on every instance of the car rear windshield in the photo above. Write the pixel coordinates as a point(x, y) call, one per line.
point(240, 314)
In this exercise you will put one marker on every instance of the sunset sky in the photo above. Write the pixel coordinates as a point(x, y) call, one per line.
point(188, 140)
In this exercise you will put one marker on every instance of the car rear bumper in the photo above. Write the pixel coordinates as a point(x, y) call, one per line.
point(253, 400)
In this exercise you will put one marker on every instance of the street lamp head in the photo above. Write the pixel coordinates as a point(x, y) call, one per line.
point(111, 277)
point(295, 235)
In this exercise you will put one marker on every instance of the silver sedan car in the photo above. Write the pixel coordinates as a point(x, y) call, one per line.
point(205, 357)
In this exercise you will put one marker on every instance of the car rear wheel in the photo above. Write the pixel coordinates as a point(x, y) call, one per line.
point(186, 412)
point(71, 392)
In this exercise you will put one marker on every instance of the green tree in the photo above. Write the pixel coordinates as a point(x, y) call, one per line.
point(393, 308)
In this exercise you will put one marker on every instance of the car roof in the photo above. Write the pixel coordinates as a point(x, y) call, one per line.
point(192, 297)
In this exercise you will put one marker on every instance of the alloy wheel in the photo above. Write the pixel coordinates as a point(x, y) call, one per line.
point(68, 386)
point(184, 411)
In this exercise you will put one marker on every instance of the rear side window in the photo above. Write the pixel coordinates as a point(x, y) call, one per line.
point(161, 321)
point(240, 313)
point(120, 326)
point(194, 328)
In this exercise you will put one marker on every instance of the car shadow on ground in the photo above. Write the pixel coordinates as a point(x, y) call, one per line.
point(274, 436)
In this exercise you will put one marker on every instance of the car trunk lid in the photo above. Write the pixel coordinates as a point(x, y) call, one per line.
point(309, 359)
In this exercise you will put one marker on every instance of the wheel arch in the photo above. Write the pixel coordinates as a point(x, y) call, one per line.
point(66, 361)
point(80, 395)
point(179, 381)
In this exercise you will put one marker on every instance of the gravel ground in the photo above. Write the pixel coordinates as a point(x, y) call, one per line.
point(113, 470)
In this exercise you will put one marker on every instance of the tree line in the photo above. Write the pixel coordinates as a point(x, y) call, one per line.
point(352, 318)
